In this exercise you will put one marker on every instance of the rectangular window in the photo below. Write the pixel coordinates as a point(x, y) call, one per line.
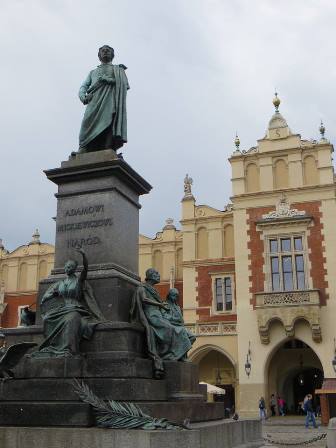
point(287, 266)
point(275, 273)
point(219, 294)
point(223, 294)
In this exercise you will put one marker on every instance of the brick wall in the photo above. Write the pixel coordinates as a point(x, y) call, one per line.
point(163, 289)
point(9, 319)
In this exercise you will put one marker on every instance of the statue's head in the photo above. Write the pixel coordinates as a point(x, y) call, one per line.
point(152, 276)
point(105, 53)
point(70, 267)
point(173, 295)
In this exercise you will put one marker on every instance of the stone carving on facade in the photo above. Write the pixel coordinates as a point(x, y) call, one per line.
point(200, 212)
point(283, 210)
point(187, 187)
point(169, 224)
point(286, 298)
point(228, 207)
point(288, 317)
point(218, 328)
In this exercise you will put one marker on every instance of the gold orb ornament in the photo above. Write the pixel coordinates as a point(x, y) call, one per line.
point(276, 102)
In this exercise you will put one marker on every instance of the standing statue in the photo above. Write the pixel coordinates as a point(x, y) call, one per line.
point(104, 125)
point(167, 340)
point(69, 312)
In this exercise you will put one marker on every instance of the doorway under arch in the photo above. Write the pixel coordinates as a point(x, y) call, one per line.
point(217, 368)
point(293, 372)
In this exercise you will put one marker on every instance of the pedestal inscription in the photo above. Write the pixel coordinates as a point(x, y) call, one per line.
point(97, 210)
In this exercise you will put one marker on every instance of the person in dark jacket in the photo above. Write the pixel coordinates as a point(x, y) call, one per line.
point(308, 407)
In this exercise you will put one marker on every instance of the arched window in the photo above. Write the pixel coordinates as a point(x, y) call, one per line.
point(202, 243)
point(179, 260)
point(23, 276)
point(280, 174)
point(157, 261)
point(228, 241)
point(43, 268)
point(310, 171)
point(252, 178)
point(4, 275)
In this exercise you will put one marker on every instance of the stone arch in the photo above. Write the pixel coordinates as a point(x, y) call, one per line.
point(23, 276)
point(217, 367)
point(282, 366)
point(310, 171)
point(202, 243)
point(280, 174)
point(252, 178)
point(158, 261)
point(228, 241)
point(179, 261)
point(199, 353)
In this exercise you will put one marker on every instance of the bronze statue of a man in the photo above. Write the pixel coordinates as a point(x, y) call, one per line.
point(104, 124)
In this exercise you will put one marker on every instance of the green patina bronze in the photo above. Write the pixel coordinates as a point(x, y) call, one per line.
point(69, 312)
point(167, 338)
point(104, 125)
point(121, 415)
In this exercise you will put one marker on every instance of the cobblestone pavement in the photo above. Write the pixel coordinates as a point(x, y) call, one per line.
point(291, 430)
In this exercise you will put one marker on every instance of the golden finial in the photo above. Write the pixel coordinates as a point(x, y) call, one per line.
point(322, 130)
point(237, 142)
point(276, 102)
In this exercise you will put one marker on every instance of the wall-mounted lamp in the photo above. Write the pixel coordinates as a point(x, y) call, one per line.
point(333, 362)
point(248, 361)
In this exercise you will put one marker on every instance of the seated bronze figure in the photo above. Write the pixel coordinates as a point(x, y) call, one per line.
point(69, 312)
point(167, 338)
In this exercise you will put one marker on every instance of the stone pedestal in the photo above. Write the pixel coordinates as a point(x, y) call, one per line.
point(97, 210)
point(241, 434)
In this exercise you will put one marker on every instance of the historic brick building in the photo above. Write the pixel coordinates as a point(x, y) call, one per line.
point(259, 288)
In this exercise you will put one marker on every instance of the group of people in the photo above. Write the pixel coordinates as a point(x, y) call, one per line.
point(306, 406)
point(274, 403)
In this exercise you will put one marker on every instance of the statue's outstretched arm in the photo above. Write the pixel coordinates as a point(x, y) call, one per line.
point(83, 274)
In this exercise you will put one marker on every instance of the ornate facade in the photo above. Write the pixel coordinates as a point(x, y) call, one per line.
point(258, 283)
point(256, 278)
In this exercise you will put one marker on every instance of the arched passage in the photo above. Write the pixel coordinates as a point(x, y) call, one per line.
point(293, 371)
point(216, 367)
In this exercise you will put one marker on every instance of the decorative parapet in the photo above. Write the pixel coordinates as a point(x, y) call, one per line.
point(288, 307)
point(288, 298)
point(213, 329)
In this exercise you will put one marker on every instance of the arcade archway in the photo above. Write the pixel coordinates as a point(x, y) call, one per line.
point(294, 371)
point(217, 368)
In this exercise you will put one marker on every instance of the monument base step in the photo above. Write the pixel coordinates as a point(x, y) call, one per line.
point(240, 434)
point(63, 413)
point(62, 389)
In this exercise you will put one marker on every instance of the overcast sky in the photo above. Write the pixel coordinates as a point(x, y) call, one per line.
point(198, 69)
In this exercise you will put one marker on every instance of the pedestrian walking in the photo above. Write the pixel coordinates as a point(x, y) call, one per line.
point(281, 406)
point(309, 412)
point(273, 405)
point(262, 408)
